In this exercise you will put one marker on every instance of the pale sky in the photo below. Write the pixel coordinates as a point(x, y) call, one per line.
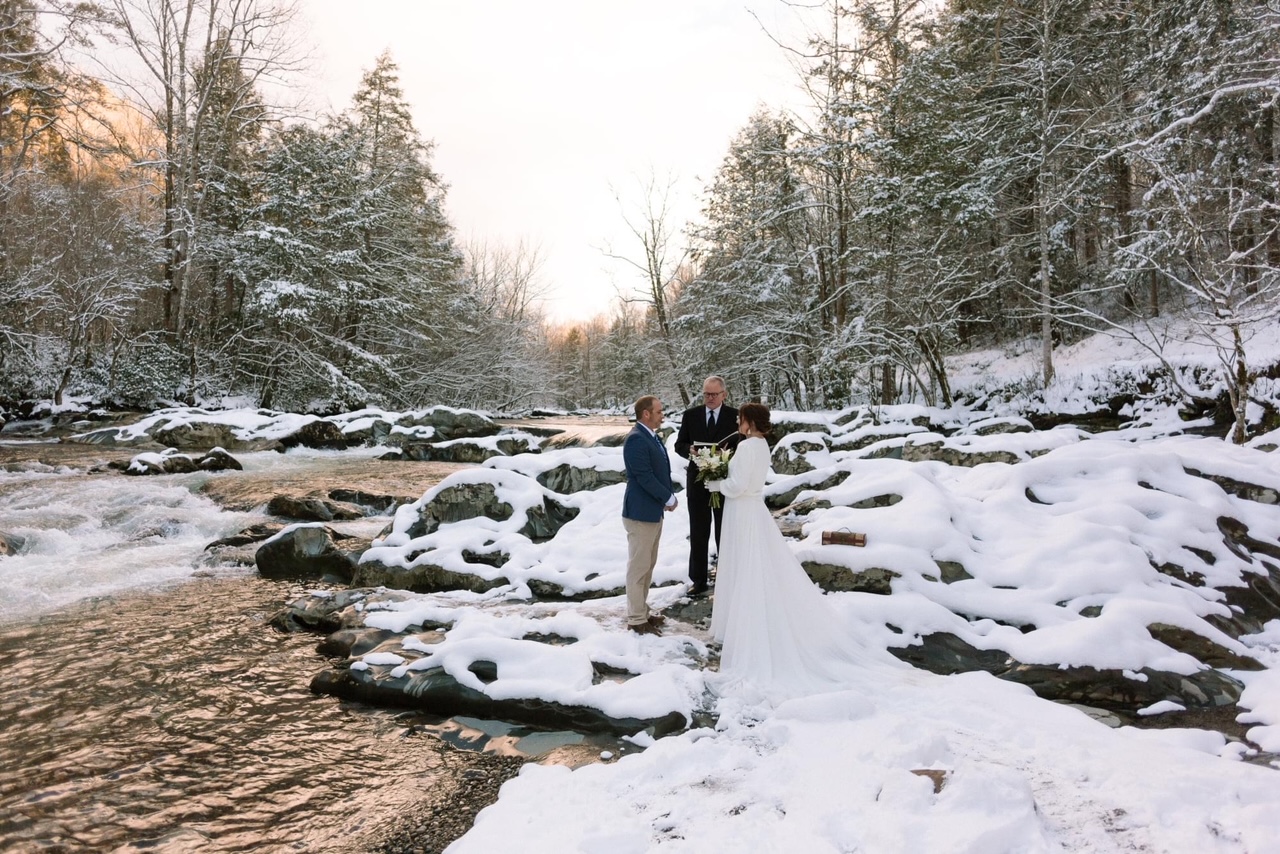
point(538, 107)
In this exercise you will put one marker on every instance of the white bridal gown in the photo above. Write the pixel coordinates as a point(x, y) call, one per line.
point(779, 634)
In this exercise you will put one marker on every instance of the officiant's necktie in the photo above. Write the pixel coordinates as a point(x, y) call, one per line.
point(711, 421)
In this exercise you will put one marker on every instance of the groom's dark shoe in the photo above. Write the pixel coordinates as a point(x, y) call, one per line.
point(644, 628)
point(699, 590)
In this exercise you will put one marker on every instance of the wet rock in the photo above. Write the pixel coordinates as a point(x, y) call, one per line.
point(550, 590)
point(999, 426)
point(783, 426)
point(381, 504)
point(1241, 489)
point(567, 479)
point(422, 578)
point(494, 558)
point(10, 544)
point(312, 509)
point(1201, 648)
point(317, 434)
point(946, 654)
point(354, 642)
point(915, 452)
point(470, 500)
point(197, 435)
point(466, 451)
point(218, 460)
point(856, 440)
point(779, 500)
point(252, 534)
point(449, 423)
point(108, 437)
point(951, 571)
point(310, 552)
point(328, 612)
point(833, 577)
point(167, 462)
point(789, 454)
point(1113, 689)
point(1253, 603)
point(436, 692)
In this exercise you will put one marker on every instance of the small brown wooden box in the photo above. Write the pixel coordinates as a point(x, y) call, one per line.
point(843, 538)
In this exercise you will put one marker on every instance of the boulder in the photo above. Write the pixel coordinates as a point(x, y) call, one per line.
point(358, 641)
point(1115, 690)
point(470, 500)
point(789, 454)
point(436, 692)
point(380, 504)
point(1241, 489)
point(197, 435)
point(914, 452)
point(465, 451)
point(310, 552)
point(325, 613)
point(551, 590)
point(1202, 648)
point(252, 534)
point(167, 462)
point(779, 500)
point(998, 426)
point(451, 423)
point(317, 434)
point(421, 578)
point(946, 654)
point(218, 460)
point(10, 544)
point(108, 437)
point(833, 577)
point(856, 440)
point(312, 508)
point(567, 479)
point(783, 426)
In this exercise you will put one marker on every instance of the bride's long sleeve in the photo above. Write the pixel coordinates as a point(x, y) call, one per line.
point(746, 475)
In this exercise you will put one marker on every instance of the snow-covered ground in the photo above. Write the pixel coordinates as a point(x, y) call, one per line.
point(1079, 522)
point(1061, 549)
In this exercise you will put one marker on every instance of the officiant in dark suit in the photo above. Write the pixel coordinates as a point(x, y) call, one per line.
point(712, 422)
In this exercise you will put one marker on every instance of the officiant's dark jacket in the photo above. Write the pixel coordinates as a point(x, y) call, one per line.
point(702, 517)
point(693, 428)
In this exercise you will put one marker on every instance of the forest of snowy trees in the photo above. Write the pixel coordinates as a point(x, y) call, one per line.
point(965, 174)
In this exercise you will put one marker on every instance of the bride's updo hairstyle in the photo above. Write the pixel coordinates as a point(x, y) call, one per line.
point(758, 415)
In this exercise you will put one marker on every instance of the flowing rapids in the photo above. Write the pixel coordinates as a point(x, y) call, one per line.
point(147, 705)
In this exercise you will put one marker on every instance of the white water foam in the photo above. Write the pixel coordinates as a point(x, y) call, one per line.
point(88, 537)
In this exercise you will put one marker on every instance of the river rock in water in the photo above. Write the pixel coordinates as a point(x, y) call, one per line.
point(310, 552)
point(437, 692)
point(10, 544)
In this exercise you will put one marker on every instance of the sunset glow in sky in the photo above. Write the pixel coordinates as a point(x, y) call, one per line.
point(542, 112)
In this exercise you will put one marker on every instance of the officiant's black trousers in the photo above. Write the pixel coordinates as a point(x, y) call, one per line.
point(701, 518)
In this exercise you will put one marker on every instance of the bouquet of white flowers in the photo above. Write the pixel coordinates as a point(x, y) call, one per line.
point(713, 464)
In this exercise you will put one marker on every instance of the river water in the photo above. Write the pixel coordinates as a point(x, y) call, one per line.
point(146, 704)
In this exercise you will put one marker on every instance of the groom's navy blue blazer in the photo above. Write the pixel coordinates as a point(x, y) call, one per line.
point(648, 476)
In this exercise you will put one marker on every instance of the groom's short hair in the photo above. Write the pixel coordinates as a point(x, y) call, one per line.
point(644, 404)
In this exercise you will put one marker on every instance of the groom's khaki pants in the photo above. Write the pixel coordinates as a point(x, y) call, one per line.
point(642, 556)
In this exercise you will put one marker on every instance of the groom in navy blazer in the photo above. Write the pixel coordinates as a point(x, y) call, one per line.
point(649, 495)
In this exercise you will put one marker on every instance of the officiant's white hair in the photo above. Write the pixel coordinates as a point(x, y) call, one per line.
point(715, 379)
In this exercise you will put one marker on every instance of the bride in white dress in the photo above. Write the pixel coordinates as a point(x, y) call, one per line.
point(779, 634)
